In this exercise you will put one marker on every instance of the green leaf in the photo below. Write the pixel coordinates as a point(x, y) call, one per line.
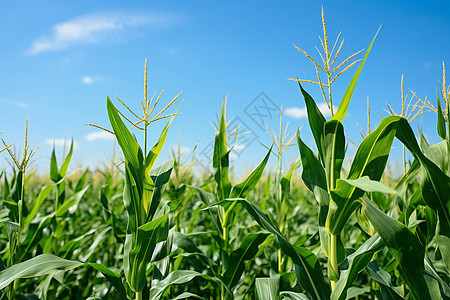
point(383, 278)
point(314, 177)
point(444, 246)
point(48, 263)
point(354, 292)
point(65, 165)
point(293, 296)
point(343, 106)
point(286, 179)
point(307, 268)
point(315, 118)
point(404, 246)
point(242, 189)
point(142, 246)
point(54, 174)
point(246, 251)
point(156, 149)
point(132, 201)
point(155, 187)
point(370, 160)
point(37, 203)
point(174, 278)
point(73, 200)
point(186, 295)
point(435, 184)
point(268, 288)
point(364, 183)
point(333, 150)
point(130, 147)
point(441, 120)
point(221, 159)
point(439, 155)
point(357, 261)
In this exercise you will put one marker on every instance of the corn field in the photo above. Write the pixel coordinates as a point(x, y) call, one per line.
point(318, 230)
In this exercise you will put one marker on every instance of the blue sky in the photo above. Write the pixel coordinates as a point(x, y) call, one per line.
point(61, 59)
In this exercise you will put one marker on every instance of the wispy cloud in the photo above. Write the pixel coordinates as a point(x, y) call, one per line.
point(14, 103)
point(91, 79)
point(62, 143)
point(98, 28)
point(301, 112)
point(100, 135)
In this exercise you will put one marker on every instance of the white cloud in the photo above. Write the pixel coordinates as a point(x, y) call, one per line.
point(96, 29)
point(100, 135)
point(91, 79)
point(14, 102)
point(300, 112)
point(87, 80)
point(239, 147)
point(62, 143)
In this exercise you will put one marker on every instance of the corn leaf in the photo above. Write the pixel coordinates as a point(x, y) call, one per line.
point(159, 178)
point(435, 184)
point(130, 147)
point(246, 251)
point(156, 149)
point(221, 159)
point(343, 106)
point(444, 246)
point(333, 150)
point(268, 288)
point(174, 278)
point(441, 130)
point(388, 291)
point(242, 189)
point(37, 203)
point(293, 296)
point(357, 261)
point(405, 247)
point(307, 268)
point(315, 118)
point(370, 160)
point(364, 183)
point(47, 263)
point(142, 246)
point(132, 201)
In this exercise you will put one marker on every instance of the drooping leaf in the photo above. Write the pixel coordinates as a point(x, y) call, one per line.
point(383, 278)
point(47, 263)
point(174, 278)
point(435, 184)
point(404, 247)
point(307, 268)
point(366, 184)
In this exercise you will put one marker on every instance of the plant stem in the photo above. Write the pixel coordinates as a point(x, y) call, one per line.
point(138, 295)
point(329, 96)
point(333, 259)
point(145, 142)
